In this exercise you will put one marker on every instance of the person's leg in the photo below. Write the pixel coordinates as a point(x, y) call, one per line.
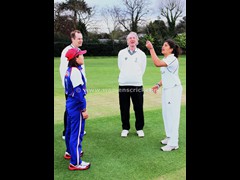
point(164, 112)
point(124, 102)
point(173, 114)
point(68, 133)
point(137, 100)
point(76, 136)
point(65, 122)
point(65, 119)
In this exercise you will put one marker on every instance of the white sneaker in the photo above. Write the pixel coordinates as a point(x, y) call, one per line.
point(124, 133)
point(165, 141)
point(85, 163)
point(169, 148)
point(63, 137)
point(83, 166)
point(140, 133)
point(85, 132)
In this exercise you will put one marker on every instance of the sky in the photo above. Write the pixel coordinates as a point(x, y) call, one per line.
point(100, 4)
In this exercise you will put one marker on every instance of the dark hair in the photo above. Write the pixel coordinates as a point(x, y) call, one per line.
point(73, 33)
point(73, 62)
point(176, 49)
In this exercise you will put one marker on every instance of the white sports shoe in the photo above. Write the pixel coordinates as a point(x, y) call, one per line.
point(85, 132)
point(124, 133)
point(63, 137)
point(85, 163)
point(169, 148)
point(165, 141)
point(140, 133)
point(83, 166)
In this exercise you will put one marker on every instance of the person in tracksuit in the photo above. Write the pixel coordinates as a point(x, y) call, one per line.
point(76, 41)
point(75, 89)
point(171, 91)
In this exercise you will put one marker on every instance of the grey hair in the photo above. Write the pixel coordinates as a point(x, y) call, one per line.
point(133, 33)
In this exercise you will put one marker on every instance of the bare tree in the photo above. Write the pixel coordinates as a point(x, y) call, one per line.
point(86, 18)
point(111, 20)
point(171, 10)
point(133, 14)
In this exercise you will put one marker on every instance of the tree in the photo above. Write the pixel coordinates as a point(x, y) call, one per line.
point(158, 30)
point(171, 10)
point(110, 18)
point(180, 39)
point(82, 27)
point(56, 16)
point(181, 27)
point(77, 8)
point(133, 14)
point(63, 24)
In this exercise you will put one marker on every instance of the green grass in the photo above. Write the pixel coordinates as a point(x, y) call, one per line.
point(111, 156)
point(102, 77)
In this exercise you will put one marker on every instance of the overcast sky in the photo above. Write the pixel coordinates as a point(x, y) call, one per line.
point(100, 4)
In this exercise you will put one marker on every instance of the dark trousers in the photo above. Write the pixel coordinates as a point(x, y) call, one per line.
point(65, 118)
point(136, 94)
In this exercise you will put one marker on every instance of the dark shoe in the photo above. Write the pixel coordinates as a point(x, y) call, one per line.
point(81, 154)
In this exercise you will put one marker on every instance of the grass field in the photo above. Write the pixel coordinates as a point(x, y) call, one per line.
point(111, 156)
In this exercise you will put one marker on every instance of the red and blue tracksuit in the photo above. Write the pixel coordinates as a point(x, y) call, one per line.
point(75, 103)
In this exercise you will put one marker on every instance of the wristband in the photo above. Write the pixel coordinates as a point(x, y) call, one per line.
point(158, 85)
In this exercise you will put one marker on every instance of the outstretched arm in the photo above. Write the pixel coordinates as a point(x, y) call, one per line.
point(157, 62)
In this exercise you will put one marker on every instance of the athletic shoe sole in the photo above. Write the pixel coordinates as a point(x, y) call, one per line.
point(168, 150)
point(73, 168)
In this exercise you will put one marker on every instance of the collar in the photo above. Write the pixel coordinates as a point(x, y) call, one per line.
point(132, 52)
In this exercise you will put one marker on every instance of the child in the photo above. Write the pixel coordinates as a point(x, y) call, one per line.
point(75, 89)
